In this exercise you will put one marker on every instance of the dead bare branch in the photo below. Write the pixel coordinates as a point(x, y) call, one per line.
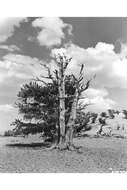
point(81, 70)
point(37, 79)
point(56, 74)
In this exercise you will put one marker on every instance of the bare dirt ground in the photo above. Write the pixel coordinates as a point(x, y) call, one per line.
point(105, 154)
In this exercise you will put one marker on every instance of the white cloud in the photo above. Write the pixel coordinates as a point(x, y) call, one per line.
point(110, 68)
point(21, 59)
point(100, 49)
point(6, 108)
point(7, 27)
point(20, 66)
point(51, 30)
point(92, 92)
point(98, 98)
point(119, 68)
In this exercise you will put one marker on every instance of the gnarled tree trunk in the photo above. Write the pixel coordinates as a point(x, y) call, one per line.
point(71, 122)
point(61, 105)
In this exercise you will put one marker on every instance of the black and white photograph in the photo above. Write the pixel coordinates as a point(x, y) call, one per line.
point(63, 94)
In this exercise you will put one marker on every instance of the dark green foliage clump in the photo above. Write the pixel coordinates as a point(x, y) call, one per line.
point(103, 114)
point(94, 117)
point(39, 105)
point(82, 121)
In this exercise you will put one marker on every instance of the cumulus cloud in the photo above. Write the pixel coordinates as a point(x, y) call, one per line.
point(98, 98)
point(119, 68)
point(51, 30)
point(7, 27)
point(92, 92)
point(110, 68)
point(21, 59)
point(19, 66)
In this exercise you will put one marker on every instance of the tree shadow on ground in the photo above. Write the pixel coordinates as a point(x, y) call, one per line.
point(30, 145)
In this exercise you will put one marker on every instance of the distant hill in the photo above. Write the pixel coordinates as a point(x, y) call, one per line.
point(115, 125)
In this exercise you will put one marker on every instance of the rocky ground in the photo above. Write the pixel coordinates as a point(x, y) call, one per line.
point(104, 154)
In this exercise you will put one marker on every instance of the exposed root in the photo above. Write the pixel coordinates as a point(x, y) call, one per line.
point(72, 147)
point(54, 146)
point(66, 146)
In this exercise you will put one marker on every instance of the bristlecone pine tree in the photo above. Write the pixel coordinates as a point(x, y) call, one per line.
point(66, 132)
point(58, 76)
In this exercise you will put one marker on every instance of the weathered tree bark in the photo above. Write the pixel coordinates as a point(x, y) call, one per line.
point(80, 87)
point(61, 105)
point(71, 122)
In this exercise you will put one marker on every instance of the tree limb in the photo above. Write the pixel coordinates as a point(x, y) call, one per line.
point(37, 79)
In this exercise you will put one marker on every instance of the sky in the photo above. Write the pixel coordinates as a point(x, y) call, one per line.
point(99, 43)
